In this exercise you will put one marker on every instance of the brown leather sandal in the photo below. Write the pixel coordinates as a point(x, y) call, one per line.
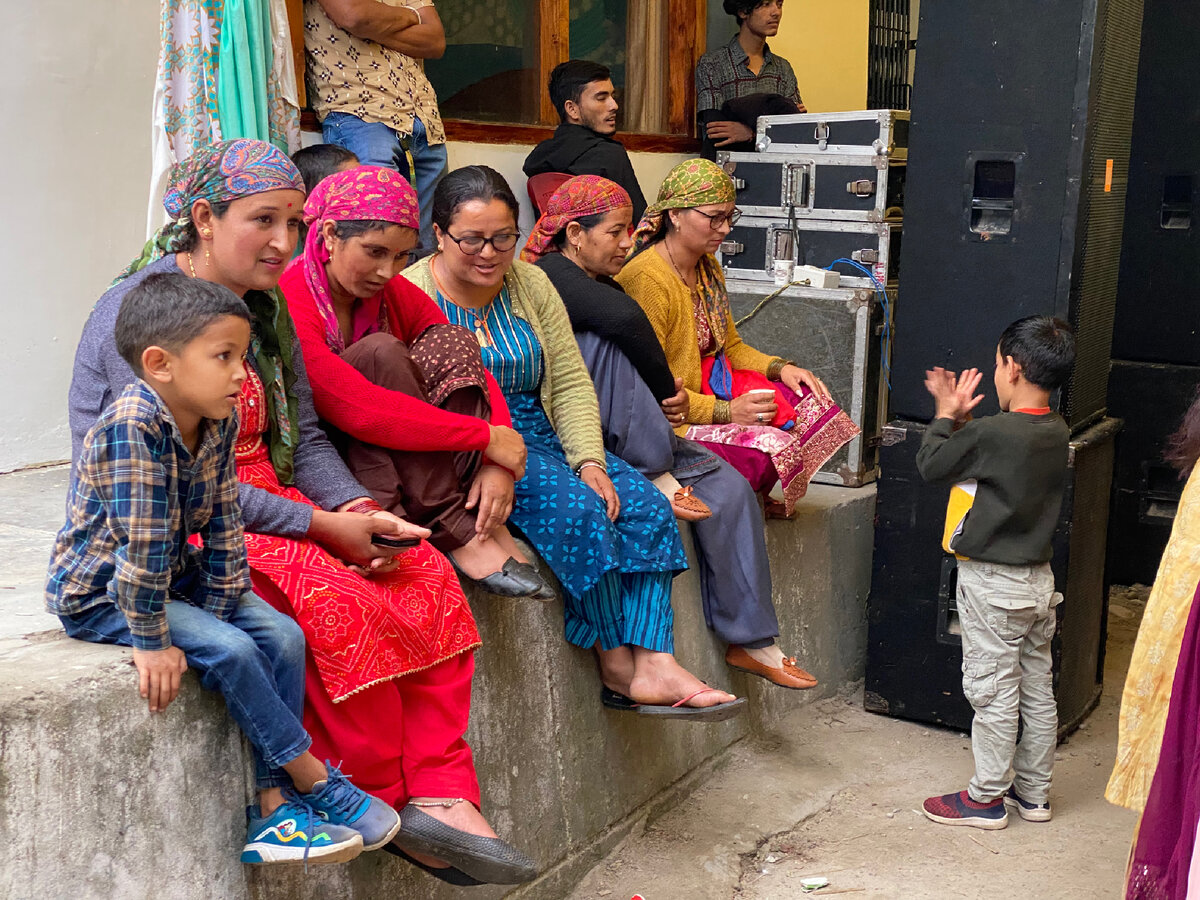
point(688, 506)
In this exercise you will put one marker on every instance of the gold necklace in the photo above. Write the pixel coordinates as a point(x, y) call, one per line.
point(481, 330)
point(675, 266)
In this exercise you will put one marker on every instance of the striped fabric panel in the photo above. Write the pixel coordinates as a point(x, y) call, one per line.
point(510, 349)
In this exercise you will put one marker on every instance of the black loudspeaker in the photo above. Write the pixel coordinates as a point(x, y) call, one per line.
point(1158, 291)
point(1152, 400)
point(1017, 171)
point(914, 647)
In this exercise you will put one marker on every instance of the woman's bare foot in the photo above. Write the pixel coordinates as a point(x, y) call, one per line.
point(659, 679)
point(616, 668)
point(503, 538)
point(463, 816)
point(479, 559)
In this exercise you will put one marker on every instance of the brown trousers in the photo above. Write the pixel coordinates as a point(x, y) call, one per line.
point(428, 488)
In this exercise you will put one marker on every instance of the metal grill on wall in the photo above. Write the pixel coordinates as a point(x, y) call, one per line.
point(887, 56)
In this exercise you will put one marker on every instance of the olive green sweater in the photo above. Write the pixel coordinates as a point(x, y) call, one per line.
point(1020, 463)
point(567, 393)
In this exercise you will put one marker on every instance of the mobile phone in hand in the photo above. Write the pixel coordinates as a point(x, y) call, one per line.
point(382, 540)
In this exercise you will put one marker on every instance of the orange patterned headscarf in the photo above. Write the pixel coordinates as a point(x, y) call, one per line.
point(583, 195)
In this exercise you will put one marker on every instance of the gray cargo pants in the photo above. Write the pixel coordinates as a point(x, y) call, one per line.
point(1008, 620)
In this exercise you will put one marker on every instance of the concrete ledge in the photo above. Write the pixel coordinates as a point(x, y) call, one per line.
point(99, 799)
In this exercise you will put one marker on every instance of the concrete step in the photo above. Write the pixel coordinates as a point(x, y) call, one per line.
point(101, 799)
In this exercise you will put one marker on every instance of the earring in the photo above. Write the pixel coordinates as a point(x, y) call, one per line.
point(206, 233)
point(207, 257)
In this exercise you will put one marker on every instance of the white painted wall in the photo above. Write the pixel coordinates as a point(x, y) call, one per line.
point(74, 170)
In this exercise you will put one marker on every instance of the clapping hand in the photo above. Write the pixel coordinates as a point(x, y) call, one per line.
point(954, 397)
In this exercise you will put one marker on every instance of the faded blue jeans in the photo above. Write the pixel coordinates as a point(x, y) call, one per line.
point(375, 144)
point(255, 661)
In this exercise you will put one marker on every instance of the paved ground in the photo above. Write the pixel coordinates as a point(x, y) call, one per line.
point(838, 795)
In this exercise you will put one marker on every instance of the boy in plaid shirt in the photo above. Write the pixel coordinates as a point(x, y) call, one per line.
point(157, 468)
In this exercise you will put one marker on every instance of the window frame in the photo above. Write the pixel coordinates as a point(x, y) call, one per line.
point(686, 31)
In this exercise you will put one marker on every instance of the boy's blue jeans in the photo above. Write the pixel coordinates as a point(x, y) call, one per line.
point(375, 144)
point(255, 661)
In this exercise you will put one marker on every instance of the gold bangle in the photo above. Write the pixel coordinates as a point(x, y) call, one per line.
point(722, 414)
point(775, 367)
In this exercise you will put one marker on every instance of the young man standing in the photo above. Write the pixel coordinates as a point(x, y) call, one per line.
point(742, 67)
point(583, 144)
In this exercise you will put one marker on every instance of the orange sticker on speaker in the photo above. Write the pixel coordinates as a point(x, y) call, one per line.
point(1108, 167)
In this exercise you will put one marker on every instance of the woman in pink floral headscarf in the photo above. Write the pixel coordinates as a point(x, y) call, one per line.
point(424, 427)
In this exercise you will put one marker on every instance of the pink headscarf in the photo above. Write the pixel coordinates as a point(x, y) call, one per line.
point(365, 193)
point(583, 195)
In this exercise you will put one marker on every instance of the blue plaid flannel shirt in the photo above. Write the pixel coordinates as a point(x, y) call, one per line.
point(137, 495)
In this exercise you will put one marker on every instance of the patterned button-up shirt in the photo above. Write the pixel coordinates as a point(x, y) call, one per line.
point(138, 495)
point(723, 74)
point(354, 75)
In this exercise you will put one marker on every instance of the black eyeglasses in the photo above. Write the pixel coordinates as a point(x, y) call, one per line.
point(716, 220)
point(473, 244)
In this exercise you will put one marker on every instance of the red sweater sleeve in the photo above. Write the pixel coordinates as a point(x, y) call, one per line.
point(348, 401)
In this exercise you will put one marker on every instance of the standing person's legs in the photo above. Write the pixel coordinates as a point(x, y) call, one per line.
point(1033, 761)
point(374, 143)
point(429, 162)
point(992, 637)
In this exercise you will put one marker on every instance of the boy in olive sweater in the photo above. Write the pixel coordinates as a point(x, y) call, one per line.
point(1006, 598)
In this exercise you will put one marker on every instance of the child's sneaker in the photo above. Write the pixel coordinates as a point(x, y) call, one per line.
point(1030, 812)
point(338, 801)
point(960, 809)
point(294, 833)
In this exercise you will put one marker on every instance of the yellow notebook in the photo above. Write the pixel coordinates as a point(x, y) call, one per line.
point(962, 496)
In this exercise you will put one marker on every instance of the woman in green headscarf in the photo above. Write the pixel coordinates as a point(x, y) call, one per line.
point(767, 417)
point(390, 636)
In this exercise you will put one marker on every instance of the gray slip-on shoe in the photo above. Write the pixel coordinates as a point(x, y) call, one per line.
point(488, 859)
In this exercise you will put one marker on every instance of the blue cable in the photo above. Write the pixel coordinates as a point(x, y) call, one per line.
point(885, 339)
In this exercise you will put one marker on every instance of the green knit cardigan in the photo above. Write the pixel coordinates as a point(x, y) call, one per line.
point(567, 393)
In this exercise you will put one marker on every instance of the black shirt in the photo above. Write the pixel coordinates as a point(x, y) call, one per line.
point(577, 150)
point(601, 307)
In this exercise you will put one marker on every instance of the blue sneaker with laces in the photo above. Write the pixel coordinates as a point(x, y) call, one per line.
point(338, 801)
point(294, 833)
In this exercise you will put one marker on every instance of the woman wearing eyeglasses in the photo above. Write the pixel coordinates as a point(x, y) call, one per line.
point(767, 417)
point(607, 533)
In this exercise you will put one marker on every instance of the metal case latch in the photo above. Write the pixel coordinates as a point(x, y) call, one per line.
point(731, 248)
point(864, 187)
point(796, 185)
point(865, 256)
point(821, 134)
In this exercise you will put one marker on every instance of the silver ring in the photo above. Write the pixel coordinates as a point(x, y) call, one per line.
point(759, 417)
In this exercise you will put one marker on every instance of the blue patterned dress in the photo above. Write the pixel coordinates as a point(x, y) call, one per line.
point(617, 575)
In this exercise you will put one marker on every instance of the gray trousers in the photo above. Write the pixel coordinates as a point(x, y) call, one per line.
point(1008, 619)
point(731, 546)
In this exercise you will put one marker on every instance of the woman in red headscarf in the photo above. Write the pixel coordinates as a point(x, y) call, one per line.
point(420, 422)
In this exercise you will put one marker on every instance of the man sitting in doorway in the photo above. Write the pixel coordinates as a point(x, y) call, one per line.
point(739, 81)
point(583, 144)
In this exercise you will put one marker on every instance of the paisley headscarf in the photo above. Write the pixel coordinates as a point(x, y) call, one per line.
point(366, 193)
point(219, 173)
point(583, 195)
point(692, 183)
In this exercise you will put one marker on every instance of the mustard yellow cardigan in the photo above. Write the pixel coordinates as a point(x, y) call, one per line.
point(667, 302)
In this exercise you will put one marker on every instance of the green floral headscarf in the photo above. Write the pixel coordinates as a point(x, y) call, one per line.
point(692, 183)
point(219, 173)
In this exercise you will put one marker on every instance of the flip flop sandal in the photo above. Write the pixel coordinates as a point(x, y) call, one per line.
point(688, 506)
point(719, 713)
